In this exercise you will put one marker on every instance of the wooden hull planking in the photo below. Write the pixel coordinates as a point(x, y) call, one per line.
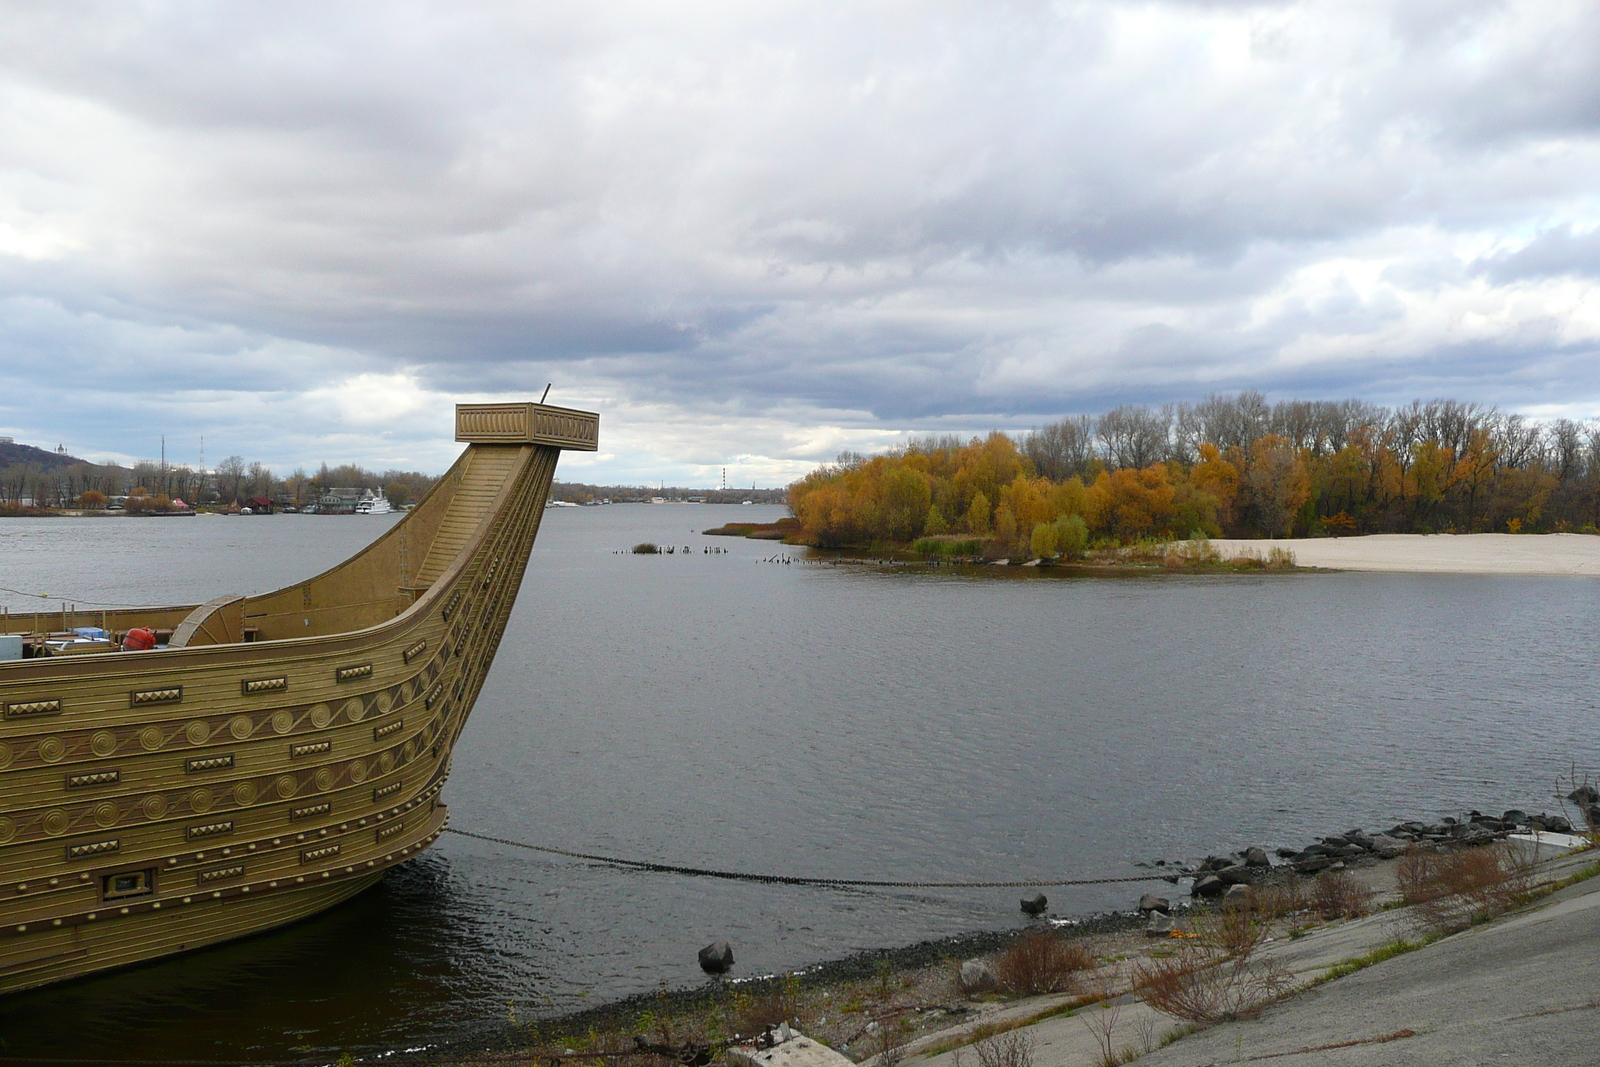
point(292, 749)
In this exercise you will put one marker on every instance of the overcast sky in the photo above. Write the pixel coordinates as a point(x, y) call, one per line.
point(754, 234)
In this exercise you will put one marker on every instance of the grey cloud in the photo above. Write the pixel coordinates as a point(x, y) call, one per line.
point(911, 212)
point(1555, 253)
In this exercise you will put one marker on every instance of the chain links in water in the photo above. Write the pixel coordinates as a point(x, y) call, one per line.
point(786, 879)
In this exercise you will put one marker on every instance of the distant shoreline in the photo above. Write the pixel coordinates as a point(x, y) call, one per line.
point(1555, 554)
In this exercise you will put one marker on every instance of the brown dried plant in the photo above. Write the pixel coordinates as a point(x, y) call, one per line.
point(1447, 891)
point(1040, 963)
point(1214, 976)
point(1201, 987)
point(1338, 895)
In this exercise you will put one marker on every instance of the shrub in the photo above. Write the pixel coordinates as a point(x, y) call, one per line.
point(645, 548)
point(1072, 536)
point(1337, 895)
point(1198, 987)
point(947, 546)
point(1014, 1048)
point(1448, 890)
point(1040, 963)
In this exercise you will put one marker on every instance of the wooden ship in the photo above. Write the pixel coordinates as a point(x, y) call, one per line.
point(281, 751)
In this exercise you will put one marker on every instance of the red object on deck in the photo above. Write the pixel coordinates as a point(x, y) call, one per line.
point(138, 639)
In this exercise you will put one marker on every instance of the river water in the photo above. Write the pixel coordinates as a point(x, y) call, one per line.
point(735, 711)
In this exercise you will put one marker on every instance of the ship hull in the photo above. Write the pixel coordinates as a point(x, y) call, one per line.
point(292, 750)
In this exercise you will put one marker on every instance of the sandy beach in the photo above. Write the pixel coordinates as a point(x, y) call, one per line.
point(1553, 554)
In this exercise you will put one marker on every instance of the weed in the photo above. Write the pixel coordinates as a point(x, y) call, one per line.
point(645, 548)
point(1101, 1022)
point(1448, 890)
point(754, 1015)
point(1014, 1048)
point(1039, 963)
point(1212, 977)
point(1377, 955)
point(1337, 895)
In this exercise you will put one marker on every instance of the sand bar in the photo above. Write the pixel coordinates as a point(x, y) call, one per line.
point(1550, 554)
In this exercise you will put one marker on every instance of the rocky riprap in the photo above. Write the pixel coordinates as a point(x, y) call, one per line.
point(1215, 875)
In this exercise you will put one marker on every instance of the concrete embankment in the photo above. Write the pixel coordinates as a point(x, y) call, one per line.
point(1519, 990)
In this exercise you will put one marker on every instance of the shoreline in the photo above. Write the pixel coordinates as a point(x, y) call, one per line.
point(933, 965)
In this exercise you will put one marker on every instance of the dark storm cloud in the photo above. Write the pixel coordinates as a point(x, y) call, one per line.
point(764, 231)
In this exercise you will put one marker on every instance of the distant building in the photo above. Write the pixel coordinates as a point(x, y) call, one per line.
point(340, 501)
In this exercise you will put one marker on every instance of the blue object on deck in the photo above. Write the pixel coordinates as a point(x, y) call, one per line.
point(93, 633)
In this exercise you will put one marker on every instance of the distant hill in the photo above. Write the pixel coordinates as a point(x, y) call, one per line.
point(12, 454)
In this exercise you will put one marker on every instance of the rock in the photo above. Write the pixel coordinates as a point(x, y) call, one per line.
point(1352, 852)
point(1160, 925)
point(1256, 857)
point(1286, 853)
point(1215, 863)
point(977, 976)
point(1208, 885)
point(1150, 902)
point(716, 958)
point(1514, 817)
point(1313, 865)
point(1035, 904)
point(1584, 794)
point(1237, 898)
point(1238, 874)
point(1557, 824)
point(1359, 839)
point(1387, 847)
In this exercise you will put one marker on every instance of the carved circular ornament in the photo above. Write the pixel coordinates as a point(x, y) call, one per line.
point(105, 813)
point(103, 743)
point(5, 754)
point(405, 693)
point(358, 771)
point(409, 751)
point(321, 716)
point(244, 793)
point(155, 806)
point(200, 800)
point(386, 762)
point(282, 721)
point(51, 749)
point(197, 732)
point(355, 710)
point(55, 822)
point(384, 703)
point(8, 828)
point(151, 738)
point(324, 778)
point(286, 786)
point(241, 726)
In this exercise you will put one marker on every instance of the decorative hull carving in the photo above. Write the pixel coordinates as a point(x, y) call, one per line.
point(293, 747)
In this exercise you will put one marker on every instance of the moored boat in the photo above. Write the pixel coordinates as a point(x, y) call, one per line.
point(274, 754)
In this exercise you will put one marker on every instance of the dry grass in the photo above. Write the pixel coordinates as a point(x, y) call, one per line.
point(1447, 891)
point(1041, 963)
point(1338, 895)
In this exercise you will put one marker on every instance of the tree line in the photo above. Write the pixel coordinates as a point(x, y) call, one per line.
point(233, 481)
point(1231, 465)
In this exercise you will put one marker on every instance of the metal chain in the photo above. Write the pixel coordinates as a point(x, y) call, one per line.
point(787, 879)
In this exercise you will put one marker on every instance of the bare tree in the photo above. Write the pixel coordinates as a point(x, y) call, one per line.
point(1061, 449)
point(1136, 436)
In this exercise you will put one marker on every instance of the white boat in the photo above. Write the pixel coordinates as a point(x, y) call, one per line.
point(376, 504)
